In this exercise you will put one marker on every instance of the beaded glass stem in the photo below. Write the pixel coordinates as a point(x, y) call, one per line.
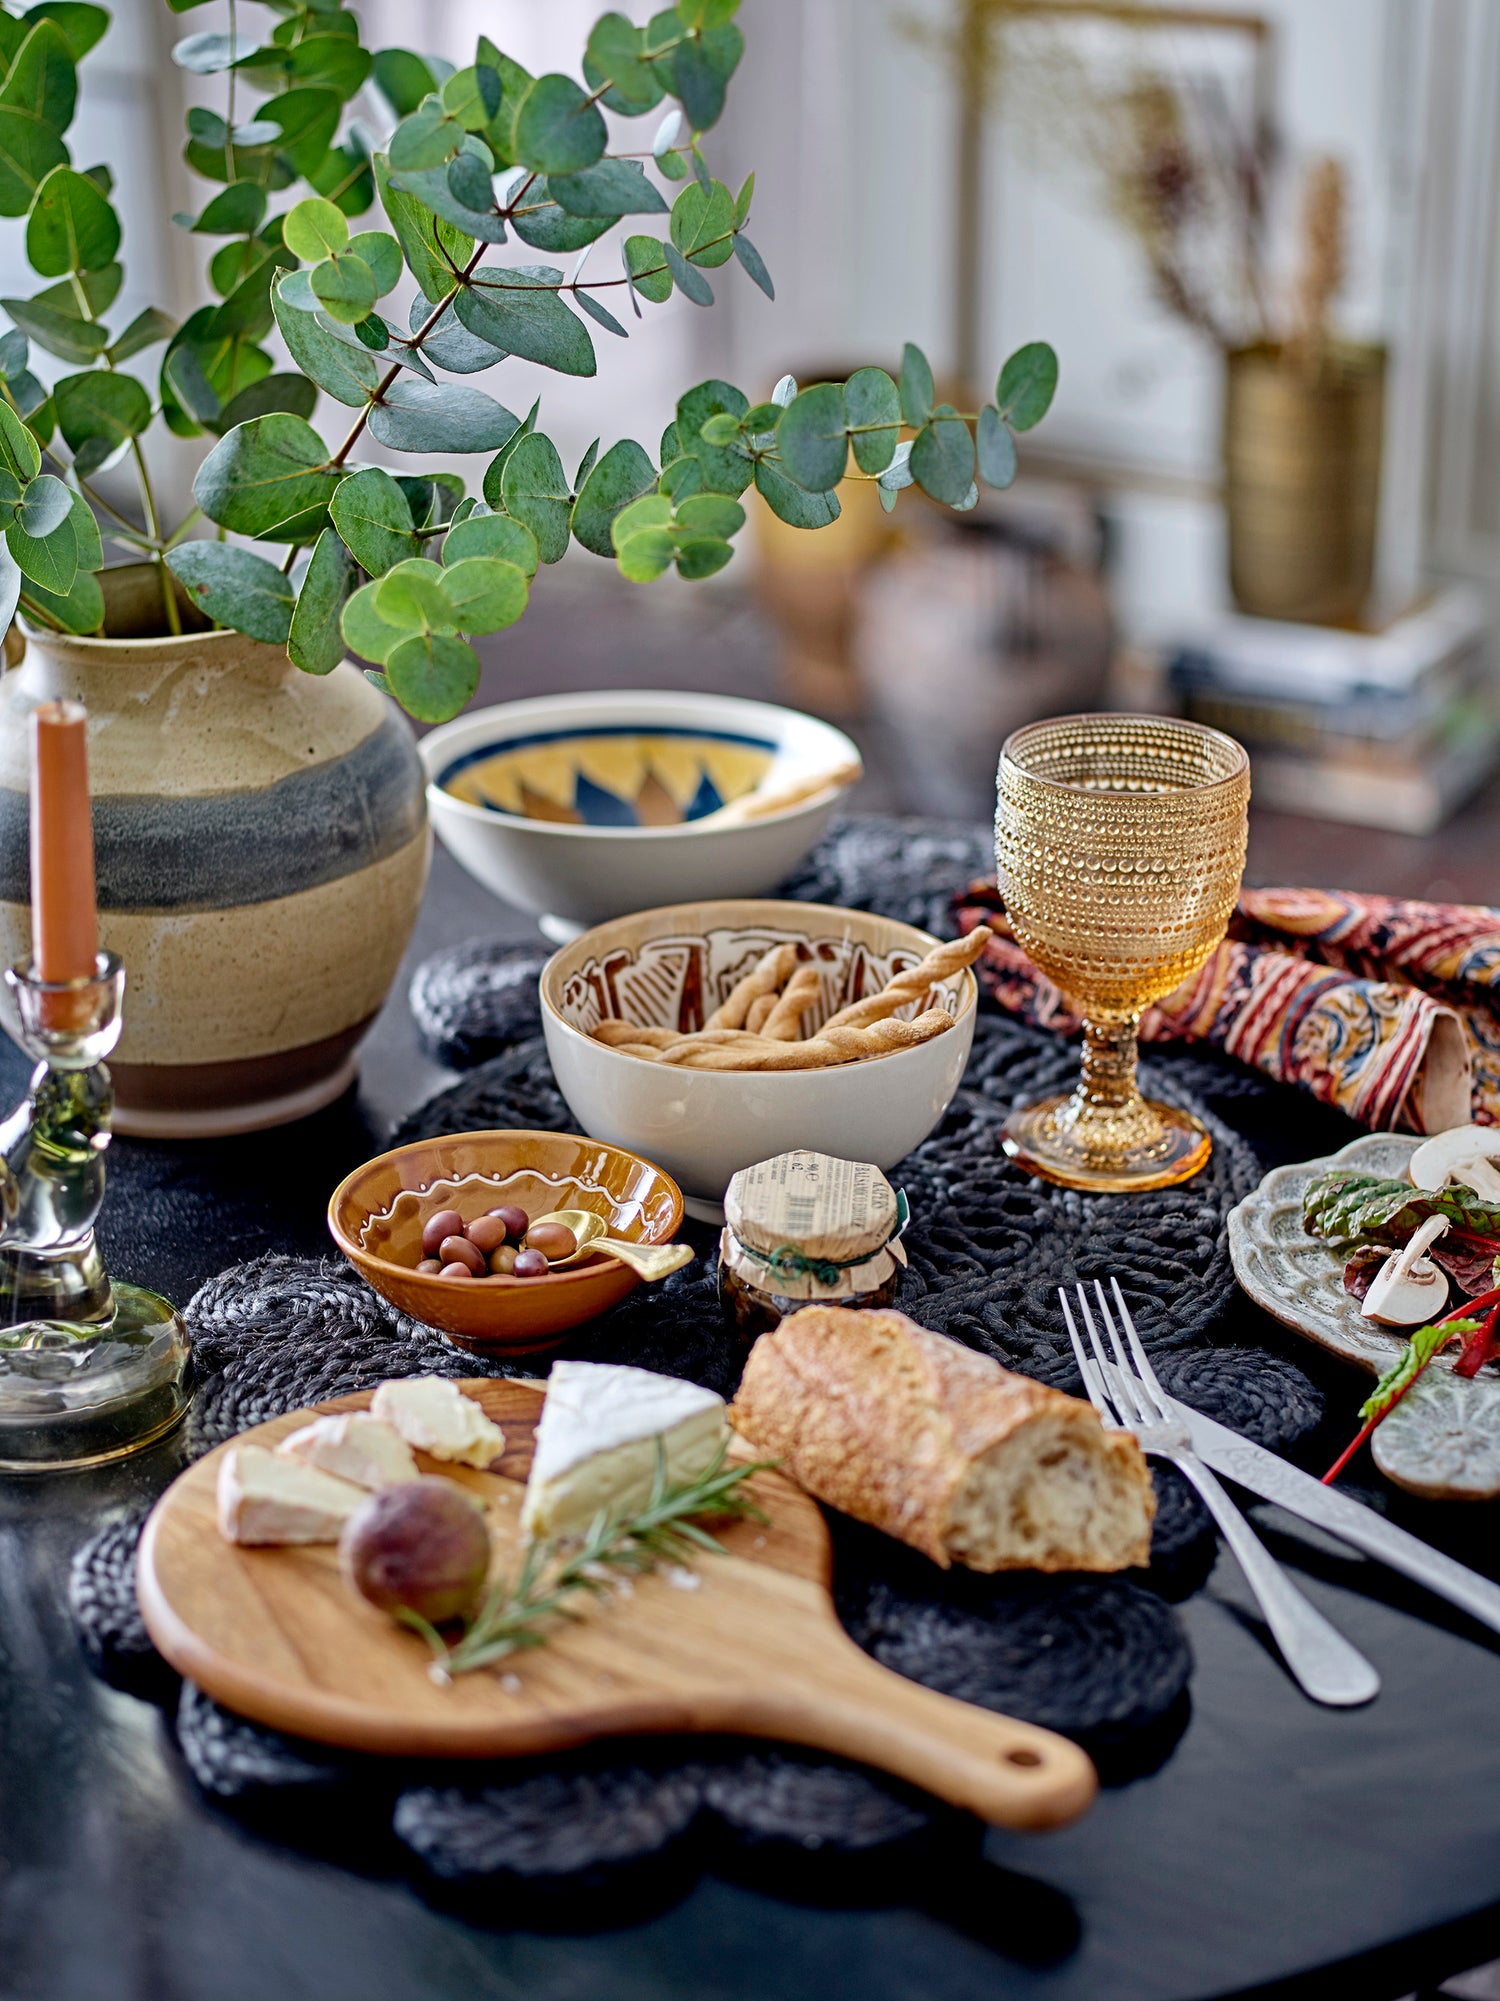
point(90, 1369)
point(1119, 846)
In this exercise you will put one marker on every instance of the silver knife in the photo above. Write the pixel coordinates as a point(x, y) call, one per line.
point(1252, 1466)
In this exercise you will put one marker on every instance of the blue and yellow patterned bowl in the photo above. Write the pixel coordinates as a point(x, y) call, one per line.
point(583, 807)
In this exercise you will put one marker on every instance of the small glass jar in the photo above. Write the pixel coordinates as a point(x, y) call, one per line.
point(804, 1229)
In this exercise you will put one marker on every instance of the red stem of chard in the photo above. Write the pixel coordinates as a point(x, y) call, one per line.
point(1479, 1345)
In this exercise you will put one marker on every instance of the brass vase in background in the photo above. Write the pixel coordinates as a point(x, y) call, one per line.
point(1302, 480)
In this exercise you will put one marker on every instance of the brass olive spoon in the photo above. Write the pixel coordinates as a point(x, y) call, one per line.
point(652, 1261)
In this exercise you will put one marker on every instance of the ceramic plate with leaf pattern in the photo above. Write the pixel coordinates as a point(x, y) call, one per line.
point(1442, 1440)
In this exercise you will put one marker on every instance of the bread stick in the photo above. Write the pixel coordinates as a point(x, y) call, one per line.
point(760, 1009)
point(765, 977)
point(758, 1052)
point(784, 1022)
point(940, 964)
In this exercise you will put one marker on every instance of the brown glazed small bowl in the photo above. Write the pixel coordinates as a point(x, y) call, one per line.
point(377, 1212)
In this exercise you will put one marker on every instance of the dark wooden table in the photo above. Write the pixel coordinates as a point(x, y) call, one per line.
point(1278, 1841)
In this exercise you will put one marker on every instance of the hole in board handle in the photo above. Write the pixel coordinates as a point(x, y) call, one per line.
point(1023, 1757)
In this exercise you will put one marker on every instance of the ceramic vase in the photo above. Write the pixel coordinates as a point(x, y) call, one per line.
point(262, 846)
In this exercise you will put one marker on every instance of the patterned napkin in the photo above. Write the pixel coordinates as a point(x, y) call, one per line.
point(1387, 1009)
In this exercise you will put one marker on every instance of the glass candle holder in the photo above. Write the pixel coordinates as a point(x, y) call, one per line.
point(1119, 847)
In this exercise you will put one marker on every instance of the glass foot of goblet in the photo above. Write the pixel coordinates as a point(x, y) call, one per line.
point(79, 1393)
point(1114, 1150)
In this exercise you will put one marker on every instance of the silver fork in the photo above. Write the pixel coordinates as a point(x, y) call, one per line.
point(1321, 1660)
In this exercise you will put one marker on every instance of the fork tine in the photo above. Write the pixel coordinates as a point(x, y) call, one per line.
point(1093, 1384)
point(1152, 1406)
point(1142, 1362)
point(1125, 1388)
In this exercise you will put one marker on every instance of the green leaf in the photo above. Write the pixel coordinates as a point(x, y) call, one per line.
point(472, 96)
point(515, 82)
point(184, 376)
point(306, 120)
point(1027, 385)
point(811, 437)
point(751, 260)
point(238, 211)
point(794, 505)
point(208, 53)
point(644, 556)
point(372, 515)
point(1422, 1344)
point(10, 585)
point(701, 70)
point(417, 416)
point(101, 405)
point(365, 631)
point(496, 536)
point(69, 338)
point(86, 537)
point(50, 560)
point(313, 230)
point(314, 641)
point(269, 478)
point(650, 512)
point(382, 254)
point(873, 407)
point(942, 456)
point(613, 187)
point(348, 374)
point(516, 309)
point(428, 138)
point(78, 609)
point(44, 505)
point(600, 313)
point(43, 78)
point(486, 595)
point(80, 24)
point(461, 190)
point(402, 79)
point(743, 200)
point(557, 130)
point(681, 478)
point(345, 288)
point(623, 474)
point(701, 556)
point(535, 490)
point(616, 55)
point(237, 588)
point(247, 310)
point(648, 268)
point(711, 514)
point(916, 385)
point(71, 227)
point(433, 677)
point(18, 449)
point(995, 446)
point(450, 343)
point(434, 251)
point(411, 596)
point(494, 472)
point(29, 150)
point(724, 469)
point(692, 284)
point(288, 392)
point(702, 224)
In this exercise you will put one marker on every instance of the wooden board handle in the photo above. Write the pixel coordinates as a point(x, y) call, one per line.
point(1010, 1773)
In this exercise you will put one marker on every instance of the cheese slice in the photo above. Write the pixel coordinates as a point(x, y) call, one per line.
point(597, 1442)
point(265, 1497)
point(357, 1447)
point(435, 1416)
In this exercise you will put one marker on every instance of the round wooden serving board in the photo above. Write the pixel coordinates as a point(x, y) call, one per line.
point(754, 1647)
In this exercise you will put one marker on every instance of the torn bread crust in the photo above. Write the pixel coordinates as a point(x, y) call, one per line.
point(942, 1447)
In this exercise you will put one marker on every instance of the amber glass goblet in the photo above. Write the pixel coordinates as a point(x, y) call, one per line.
point(1119, 841)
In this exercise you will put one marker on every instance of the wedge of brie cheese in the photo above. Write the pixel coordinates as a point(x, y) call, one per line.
point(265, 1497)
point(597, 1442)
point(435, 1416)
point(358, 1447)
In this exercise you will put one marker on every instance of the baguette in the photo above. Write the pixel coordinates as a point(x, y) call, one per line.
point(941, 1447)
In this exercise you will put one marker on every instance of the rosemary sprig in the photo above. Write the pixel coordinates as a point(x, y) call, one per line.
point(554, 1569)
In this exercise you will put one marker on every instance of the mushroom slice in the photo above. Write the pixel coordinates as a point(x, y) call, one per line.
point(1468, 1156)
point(1409, 1288)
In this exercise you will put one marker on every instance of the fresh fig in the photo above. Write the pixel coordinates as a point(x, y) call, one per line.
point(421, 1547)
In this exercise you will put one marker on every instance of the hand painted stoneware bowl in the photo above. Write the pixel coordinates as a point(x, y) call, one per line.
point(670, 968)
point(584, 807)
point(377, 1212)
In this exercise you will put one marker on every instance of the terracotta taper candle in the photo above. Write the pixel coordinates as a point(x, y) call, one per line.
point(64, 918)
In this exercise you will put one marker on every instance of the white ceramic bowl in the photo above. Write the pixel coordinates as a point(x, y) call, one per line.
point(576, 874)
point(668, 968)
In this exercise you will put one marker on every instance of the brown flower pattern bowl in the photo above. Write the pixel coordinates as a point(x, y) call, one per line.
point(377, 1212)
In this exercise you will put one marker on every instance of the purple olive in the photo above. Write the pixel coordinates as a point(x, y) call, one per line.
point(421, 1547)
point(516, 1221)
point(446, 1223)
point(530, 1264)
point(487, 1233)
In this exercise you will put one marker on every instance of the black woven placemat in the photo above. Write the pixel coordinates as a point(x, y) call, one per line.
point(1103, 1660)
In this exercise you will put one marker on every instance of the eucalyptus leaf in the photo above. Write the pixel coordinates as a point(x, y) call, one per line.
point(345, 288)
point(71, 226)
point(681, 478)
point(792, 503)
point(496, 536)
point(86, 537)
point(723, 469)
point(472, 96)
point(238, 211)
point(450, 343)
point(373, 517)
point(621, 476)
point(43, 78)
point(50, 560)
point(80, 24)
point(29, 150)
point(314, 229)
point(417, 416)
point(432, 677)
point(647, 267)
point(692, 284)
point(701, 69)
point(615, 56)
point(348, 374)
point(45, 504)
point(610, 188)
point(872, 404)
point(18, 449)
point(434, 256)
point(403, 79)
point(995, 446)
point(942, 456)
point(557, 129)
point(750, 258)
point(270, 478)
point(412, 596)
point(702, 225)
point(494, 472)
point(916, 385)
point(288, 392)
point(78, 609)
point(237, 588)
point(1027, 384)
point(429, 137)
point(101, 403)
point(602, 314)
point(644, 556)
point(365, 631)
point(535, 490)
point(812, 439)
point(486, 595)
point(517, 309)
point(314, 640)
point(710, 514)
point(699, 556)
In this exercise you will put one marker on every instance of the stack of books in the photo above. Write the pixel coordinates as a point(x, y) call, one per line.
point(1393, 728)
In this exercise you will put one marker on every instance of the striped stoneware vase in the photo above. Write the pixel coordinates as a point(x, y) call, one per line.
point(262, 846)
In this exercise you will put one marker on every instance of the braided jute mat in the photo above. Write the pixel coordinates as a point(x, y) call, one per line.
point(1104, 1660)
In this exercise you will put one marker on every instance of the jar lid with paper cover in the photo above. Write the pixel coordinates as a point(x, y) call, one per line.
point(803, 1228)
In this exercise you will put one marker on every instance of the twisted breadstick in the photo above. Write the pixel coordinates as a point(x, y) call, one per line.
point(761, 1009)
point(784, 1022)
point(755, 1052)
point(940, 964)
point(765, 977)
